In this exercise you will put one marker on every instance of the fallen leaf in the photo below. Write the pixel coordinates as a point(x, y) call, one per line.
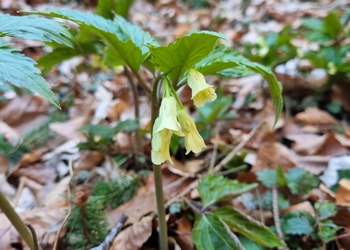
point(315, 116)
point(183, 235)
point(134, 236)
point(70, 129)
point(186, 169)
point(89, 160)
point(306, 144)
point(342, 196)
point(303, 206)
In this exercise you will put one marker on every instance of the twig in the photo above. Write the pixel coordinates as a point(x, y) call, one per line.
point(238, 148)
point(276, 216)
point(71, 173)
point(194, 208)
point(112, 234)
point(215, 151)
point(179, 196)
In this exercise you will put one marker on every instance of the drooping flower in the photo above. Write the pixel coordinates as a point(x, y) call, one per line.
point(193, 140)
point(201, 91)
point(160, 144)
point(168, 116)
point(164, 127)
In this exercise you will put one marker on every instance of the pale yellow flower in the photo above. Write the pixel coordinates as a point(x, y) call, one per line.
point(160, 144)
point(201, 91)
point(193, 140)
point(168, 116)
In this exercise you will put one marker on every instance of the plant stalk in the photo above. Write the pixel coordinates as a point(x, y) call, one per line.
point(135, 93)
point(18, 223)
point(158, 182)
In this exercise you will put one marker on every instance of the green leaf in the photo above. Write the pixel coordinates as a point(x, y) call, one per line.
point(127, 125)
point(223, 58)
point(108, 8)
point(61, 54)
point(325, 209)
point(249, 244)
point(127, 41)
point(268, 177)
point(327, 231)
point(182, 54)
point(332, 24)
point(297, 226)
point(213, 188)
point(35, 28)
point(299, 180)
point(211, 233)
point(20, 71)
point(247, 226)
point(99, 130)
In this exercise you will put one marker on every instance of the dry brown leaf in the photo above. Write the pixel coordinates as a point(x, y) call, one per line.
point(70, 129)
point(88, 160)
point(186, 169)
point(57, 197)
point(315, 116)
point(315, 164)
point(331, 146)
point(32, 157)
point(8, 233)
point(183, 235)
point(304, 206)
point(8, 133)
point(116, 108)
point(38, 172)
point(342, 196)
point(134, 236)
point(272, 154)
point(306, 144)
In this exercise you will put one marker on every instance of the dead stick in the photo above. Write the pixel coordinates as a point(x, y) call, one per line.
point(276, 216)
point(238, 148)
point(112, 234)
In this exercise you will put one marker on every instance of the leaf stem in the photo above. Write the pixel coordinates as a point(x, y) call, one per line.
point(26, 233)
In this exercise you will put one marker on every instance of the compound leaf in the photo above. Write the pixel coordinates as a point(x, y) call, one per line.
point(20, 71)
point(35, 28)
point(213, 188)
point(178, 56)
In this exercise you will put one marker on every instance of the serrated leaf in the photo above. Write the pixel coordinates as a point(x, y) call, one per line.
point(127, 125)
point(247, 226)
point(177, 57)
point(99, 130)
point(325, 209)
point(210, 232)
point(128, 41)
point(108, 8)
point(268, 177)
point(20, 71)
point(35, 28)
point(223, 58)
point(249, 244)
point(297, 226)
point(213, 188)
point(299, 180)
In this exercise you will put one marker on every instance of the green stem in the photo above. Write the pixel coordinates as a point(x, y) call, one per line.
point(18, 223)
point(142, 82)
point(163, 231)
point(135, 93)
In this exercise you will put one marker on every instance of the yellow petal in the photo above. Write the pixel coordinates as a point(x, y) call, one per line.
point(201, 91)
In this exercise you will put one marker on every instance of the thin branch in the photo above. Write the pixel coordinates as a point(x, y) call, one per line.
point(215, 151)
point(276, 216)
point(238, 148)
point(69, 194)
point(112, 234)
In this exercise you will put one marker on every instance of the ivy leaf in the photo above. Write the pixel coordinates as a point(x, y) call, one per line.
point(20, 71)
point(35, 28)
point(182, 54)
point(213, 188)
point(210, 232)
point(247, 226)
point(297, 226)
point(222, 58)
point(127, 41)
